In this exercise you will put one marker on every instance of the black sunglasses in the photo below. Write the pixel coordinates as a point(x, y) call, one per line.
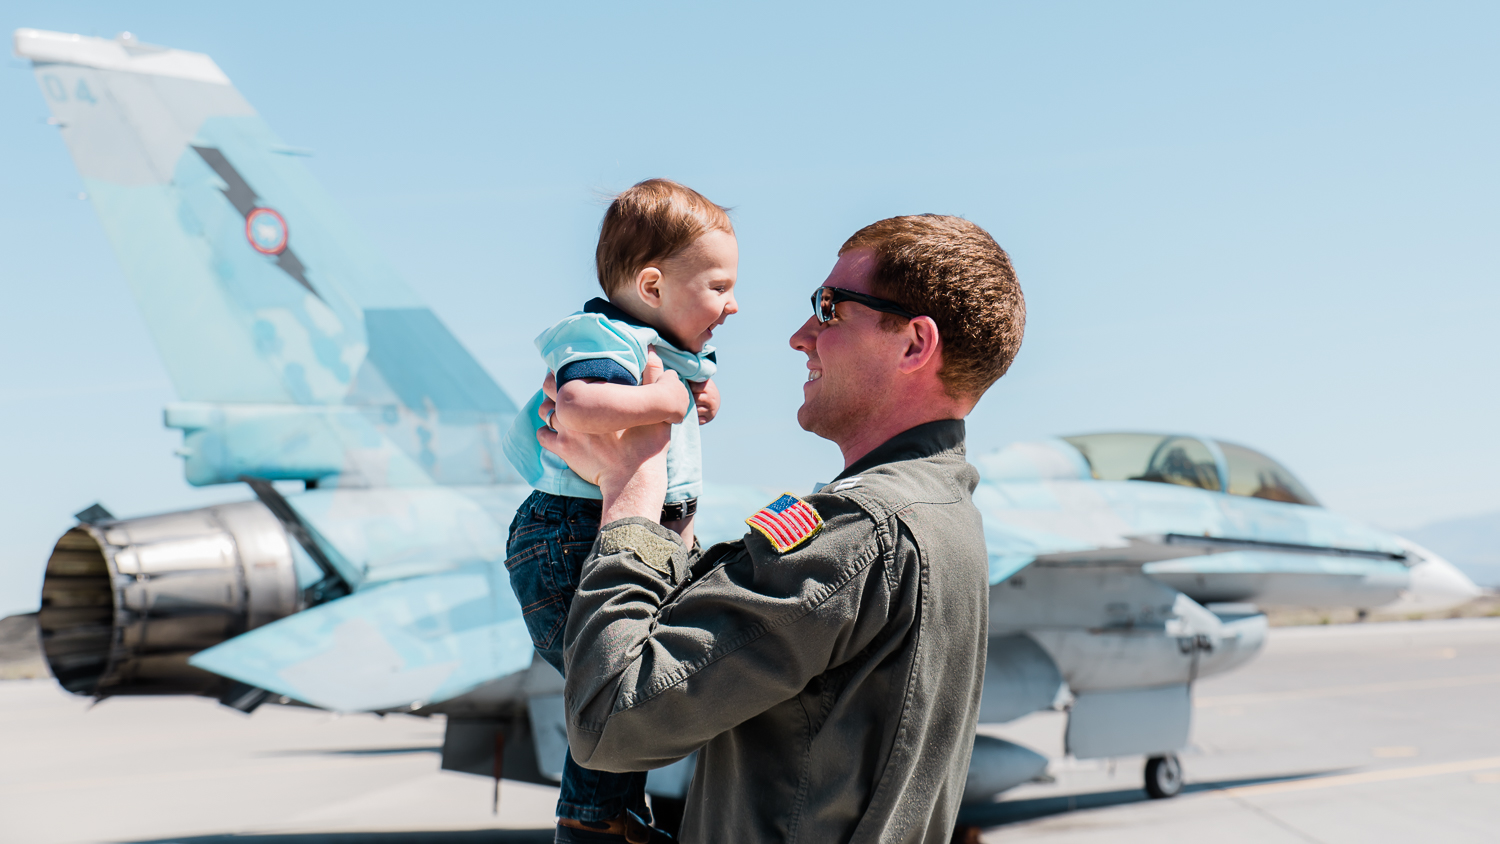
point(824, 298)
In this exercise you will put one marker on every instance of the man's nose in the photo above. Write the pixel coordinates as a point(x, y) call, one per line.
point(804, 338)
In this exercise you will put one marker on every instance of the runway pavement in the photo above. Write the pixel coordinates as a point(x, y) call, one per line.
point(1349, 733)
point(1367, 733)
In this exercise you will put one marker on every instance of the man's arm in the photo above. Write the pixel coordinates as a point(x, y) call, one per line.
point(629, 466)
point(650, 682)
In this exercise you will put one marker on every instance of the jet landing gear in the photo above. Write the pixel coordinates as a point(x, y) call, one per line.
point(1163, 776)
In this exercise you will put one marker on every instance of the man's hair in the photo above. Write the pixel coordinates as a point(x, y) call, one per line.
point(650, 223)
point(951, 270)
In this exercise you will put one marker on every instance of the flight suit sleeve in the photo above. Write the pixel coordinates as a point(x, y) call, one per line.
point(653, 674)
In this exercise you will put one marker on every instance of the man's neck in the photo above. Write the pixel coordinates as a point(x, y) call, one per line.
point(900, 416)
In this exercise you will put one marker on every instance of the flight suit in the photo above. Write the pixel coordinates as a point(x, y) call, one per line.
point(831, 690)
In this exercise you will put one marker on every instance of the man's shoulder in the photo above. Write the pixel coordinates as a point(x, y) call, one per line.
point(889, 488)
point(818, 529)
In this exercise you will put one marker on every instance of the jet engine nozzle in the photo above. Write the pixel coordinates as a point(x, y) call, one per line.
point(125, 603)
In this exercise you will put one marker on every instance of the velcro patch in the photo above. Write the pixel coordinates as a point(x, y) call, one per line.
point(653, 550)
point(787, 522)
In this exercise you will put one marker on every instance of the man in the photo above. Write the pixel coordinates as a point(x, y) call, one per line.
point(827, 666)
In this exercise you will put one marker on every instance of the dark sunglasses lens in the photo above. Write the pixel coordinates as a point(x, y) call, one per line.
point(823, 304)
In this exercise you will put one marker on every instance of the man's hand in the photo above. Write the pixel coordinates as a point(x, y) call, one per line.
point(706, 396)
point(629, 466)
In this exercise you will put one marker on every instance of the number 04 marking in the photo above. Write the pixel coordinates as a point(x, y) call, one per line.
point(58, 92)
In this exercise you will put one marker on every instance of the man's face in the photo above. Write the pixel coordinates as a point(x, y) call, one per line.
point(850, 359)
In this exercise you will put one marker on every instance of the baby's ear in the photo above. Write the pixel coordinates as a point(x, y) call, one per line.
point(648, 286)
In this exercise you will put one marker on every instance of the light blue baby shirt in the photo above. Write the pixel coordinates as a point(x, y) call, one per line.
point(602, 340)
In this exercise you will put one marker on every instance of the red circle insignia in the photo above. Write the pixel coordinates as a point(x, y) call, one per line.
point(266, 231)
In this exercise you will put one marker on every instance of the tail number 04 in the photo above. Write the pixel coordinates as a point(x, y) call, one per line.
point(57, 90)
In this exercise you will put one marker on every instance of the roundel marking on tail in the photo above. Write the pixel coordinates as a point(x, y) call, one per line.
point(266, 230)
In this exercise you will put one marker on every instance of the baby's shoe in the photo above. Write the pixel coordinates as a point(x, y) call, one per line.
point(625, 829)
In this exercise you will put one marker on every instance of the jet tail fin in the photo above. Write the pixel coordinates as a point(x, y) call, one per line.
point(299, 352)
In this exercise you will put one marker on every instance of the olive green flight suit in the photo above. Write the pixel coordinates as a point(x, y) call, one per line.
point(832, 690)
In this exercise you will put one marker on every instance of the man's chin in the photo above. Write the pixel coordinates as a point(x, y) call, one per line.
point(809, 419)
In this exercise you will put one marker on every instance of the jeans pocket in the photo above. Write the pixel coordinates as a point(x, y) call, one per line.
point(528, 558)
point(528, 533)
point(545, 621)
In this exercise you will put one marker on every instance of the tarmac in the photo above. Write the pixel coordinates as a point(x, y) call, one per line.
point(1346, 733)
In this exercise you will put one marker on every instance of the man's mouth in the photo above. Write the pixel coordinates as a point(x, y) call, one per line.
point(814, 374)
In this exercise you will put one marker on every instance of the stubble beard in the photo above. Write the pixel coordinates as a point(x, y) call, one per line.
point(827, 416)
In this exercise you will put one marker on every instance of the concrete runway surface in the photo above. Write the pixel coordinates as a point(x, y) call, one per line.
point(1351, 733)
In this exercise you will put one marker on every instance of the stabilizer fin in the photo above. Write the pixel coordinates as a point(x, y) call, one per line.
point(393, 646)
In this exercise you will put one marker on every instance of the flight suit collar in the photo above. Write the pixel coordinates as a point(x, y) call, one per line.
point(925, 440)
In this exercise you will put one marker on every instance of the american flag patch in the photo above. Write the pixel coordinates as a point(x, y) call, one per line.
point(787, 522)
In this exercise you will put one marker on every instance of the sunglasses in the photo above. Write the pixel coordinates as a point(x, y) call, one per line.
point(824, 298)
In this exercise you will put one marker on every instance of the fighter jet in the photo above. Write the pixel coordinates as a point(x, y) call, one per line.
point(1123, 567)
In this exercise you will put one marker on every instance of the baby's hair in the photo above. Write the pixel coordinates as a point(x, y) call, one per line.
point(650, 223)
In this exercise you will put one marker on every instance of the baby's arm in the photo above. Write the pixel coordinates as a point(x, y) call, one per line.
point(595, 406)
point(706, 394)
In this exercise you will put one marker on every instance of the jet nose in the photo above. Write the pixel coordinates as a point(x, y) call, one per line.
point(1436, 584)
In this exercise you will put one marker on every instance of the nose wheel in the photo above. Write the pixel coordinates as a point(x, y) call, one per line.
point(1163, 776)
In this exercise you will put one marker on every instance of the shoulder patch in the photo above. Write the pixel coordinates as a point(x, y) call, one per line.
point(653, 550)
point(787, 522)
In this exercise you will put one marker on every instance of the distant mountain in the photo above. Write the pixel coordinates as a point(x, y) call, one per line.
point(1472, 544)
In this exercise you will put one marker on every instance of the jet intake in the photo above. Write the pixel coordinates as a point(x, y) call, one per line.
point(125, 603)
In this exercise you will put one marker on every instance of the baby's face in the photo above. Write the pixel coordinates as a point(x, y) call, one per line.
point(697, 290)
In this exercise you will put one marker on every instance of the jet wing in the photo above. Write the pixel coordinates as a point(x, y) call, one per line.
point(1144, 550)
point(392, 646)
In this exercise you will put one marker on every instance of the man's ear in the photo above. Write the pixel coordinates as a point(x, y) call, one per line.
point(923, 345)
point(648, 286)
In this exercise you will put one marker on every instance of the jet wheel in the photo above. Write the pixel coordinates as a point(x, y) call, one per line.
point(1163, 776)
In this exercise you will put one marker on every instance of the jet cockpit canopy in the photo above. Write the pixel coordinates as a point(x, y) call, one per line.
point(1190, 461)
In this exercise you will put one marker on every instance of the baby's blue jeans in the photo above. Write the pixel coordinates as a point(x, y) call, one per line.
point(550, 538)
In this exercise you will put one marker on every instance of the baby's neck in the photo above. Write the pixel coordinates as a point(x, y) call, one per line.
point(635, 307)
point(642, 312)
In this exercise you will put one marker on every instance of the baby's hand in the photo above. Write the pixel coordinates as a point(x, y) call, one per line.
point(706, 395)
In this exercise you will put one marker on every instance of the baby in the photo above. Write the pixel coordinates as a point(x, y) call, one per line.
point(667, 259)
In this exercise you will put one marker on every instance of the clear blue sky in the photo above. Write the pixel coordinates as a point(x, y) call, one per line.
point(1269, 223)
